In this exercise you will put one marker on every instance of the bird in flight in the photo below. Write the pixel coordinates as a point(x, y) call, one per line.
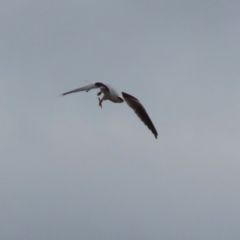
point(115, 96)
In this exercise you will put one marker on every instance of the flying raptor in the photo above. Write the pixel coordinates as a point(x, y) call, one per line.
point(115, 96)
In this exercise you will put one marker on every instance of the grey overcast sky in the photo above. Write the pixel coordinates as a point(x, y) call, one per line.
point(71, 170)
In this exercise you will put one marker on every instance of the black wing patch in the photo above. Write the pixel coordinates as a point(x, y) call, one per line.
point(99, 84)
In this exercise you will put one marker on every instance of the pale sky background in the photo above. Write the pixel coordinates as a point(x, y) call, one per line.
point(70, 170)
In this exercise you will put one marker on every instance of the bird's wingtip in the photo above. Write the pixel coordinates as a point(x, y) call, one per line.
point(63, 94)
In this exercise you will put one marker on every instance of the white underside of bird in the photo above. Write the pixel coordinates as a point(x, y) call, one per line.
point(111, 94)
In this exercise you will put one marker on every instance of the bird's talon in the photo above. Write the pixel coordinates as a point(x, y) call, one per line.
point(100, 102)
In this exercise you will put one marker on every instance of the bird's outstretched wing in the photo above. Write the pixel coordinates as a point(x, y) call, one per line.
point(87, 88)
point(140, 111)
